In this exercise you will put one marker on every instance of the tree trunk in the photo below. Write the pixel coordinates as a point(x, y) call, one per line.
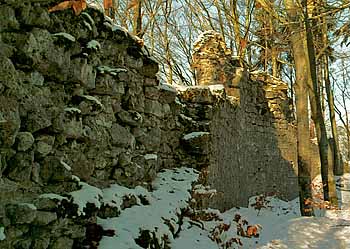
point(301, 105)
point(138, 18)
point(338, 162)
point(236, 24)
point(329, 190)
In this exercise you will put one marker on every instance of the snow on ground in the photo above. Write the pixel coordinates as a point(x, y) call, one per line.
point(267, 222)
point(170, 195)
point(280, 225)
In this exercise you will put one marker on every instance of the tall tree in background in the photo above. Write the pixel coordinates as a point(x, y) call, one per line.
point(136, 5)
point(342, 99)
point(297, 39)
point(324, 56)
point(329, 190)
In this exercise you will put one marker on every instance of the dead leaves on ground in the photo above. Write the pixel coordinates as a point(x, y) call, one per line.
point(77, 5)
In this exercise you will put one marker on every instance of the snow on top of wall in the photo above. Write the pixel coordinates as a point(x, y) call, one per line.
point(53, 196)
point(195, 134)
point(2, 233)
point(180, 88)
point(72, 110)
point(30, 205)
point(93, 99)
point(203, 190)
point(96, 4)
point(112, 71)
point(217, 89)
point(171, 194)
point(204, 36)
point(66, 36)
point(93, 44)
point(65, 165)
point(151, 157)
point(167, 87)
point(87, 194)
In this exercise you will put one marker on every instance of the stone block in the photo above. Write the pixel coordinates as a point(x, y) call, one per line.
point(121, 136)
point(152, 92)
point(20, 166)
point(44, 145)
point(35, 16)
point(154, 107)
point(8, 19)
point(21, 213)
point(53, 170)
point(25, 140)
point(44, 218)
point(198, 94)
point(108, 85)
point(197, 143)
point(61, 242)
point(83, 73)
point(131, 118)
point(9, 121)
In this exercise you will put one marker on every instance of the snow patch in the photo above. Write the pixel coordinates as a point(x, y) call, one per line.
point(66, 36)
point(2, 233)
point(167, 87)
point(109, 70)
point(66, 166)
point(72, 110)
point(30, 205)
point(203, 190)
point(113, 196)
point(88, 25)
point(218, 89)
point(87, 194)
point(180, 88)
point(93, 44)
point(88, 17)
point(75, 178)
point(151, 157)
point(96, 4)
point(184, 117)
point(171, 194)
point(195, 134)
point(93, 99)
point(116, 27)
point(53, 196)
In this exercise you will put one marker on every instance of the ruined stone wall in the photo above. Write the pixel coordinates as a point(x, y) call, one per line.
point(259, 156)
point(213, 63)
point(253, 137)
point(79, 98)
point(249, 144)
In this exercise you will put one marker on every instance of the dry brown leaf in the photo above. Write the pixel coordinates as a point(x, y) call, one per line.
point(107, 4)
point(61, 6)
point(140, 42)
point(77, 5)
point(243, 43)
point(253, 230)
